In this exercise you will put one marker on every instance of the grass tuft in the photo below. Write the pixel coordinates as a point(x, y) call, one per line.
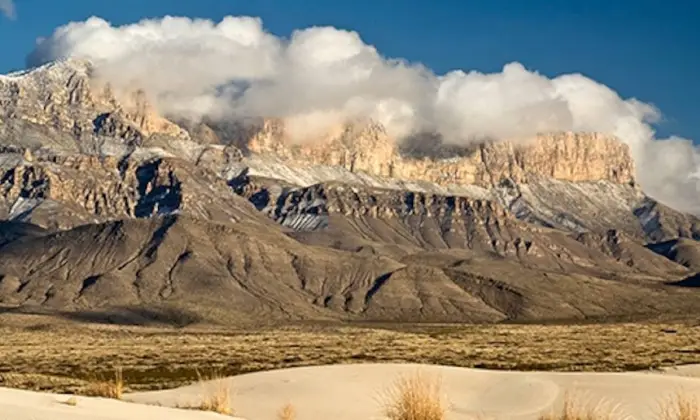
point(287, 413)
point(574, 409)
point(416, 397)
point(680, 406)
point(107, 389)
point(217, 395)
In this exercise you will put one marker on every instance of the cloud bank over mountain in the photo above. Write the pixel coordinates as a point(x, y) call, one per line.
point(322, 76)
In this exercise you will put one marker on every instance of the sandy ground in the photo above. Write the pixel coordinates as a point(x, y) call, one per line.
point(28, 405)
point(691, 371)
point(352, 392)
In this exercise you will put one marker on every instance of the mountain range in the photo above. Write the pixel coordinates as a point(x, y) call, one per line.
point(111, 209)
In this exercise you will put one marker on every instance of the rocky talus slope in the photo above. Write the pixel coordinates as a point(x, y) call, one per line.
point(109, 206)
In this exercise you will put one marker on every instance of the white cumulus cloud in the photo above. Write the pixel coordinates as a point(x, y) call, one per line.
point(321, 76)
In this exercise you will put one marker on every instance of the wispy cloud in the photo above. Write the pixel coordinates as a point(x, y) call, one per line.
point(7, 7)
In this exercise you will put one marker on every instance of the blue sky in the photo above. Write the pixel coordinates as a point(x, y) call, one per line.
point(640, 48)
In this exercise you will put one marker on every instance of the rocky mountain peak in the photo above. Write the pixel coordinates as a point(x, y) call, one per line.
point(64, 97)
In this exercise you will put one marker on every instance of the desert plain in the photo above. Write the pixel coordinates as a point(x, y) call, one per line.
point(57, 369)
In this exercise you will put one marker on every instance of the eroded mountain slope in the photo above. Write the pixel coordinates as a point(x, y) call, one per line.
point(248, 272)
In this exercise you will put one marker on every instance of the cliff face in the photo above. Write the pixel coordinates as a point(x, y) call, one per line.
point(570, 157)
point(64, 191)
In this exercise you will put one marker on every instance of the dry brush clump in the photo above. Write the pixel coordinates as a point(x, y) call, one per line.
point(680, 406)
point(287, 413)
point(574, 408)
point(216, 396)
point(415, 397)
point(72, 401)
point(107, 389)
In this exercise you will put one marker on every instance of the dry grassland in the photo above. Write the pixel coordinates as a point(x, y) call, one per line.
point(73, 358)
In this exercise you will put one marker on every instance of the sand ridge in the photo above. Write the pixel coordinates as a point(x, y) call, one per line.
point(354, 391)
point(346, 392)
point(28, 405)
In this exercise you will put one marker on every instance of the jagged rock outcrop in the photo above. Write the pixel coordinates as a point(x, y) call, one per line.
point(569, 181)
point(62, 97)
point(65, 191)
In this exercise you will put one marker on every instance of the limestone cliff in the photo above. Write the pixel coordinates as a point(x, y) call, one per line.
point(575, 157)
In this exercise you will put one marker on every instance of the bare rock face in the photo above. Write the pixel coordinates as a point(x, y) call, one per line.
point(63, 97)
point(367, 148)
point(65, 191)
point(570, 181)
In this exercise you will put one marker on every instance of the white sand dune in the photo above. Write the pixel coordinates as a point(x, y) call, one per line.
point(352, 392)
point(27, 405)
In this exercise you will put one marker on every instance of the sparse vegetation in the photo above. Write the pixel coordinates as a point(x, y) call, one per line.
point(216, 395)
point(680, 406)
point(573, 408)
point(159, 358)
point(287, 413)
point(415, 397)
point(412, 397)
point(107, 389)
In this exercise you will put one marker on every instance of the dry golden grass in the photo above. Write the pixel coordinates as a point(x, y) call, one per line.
point(158, 358)
point(680, 406)
point(107, 389)
point(574, 409)
point(287, 413)
point(416, 397)
point(216, 395)
point(218, 400)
